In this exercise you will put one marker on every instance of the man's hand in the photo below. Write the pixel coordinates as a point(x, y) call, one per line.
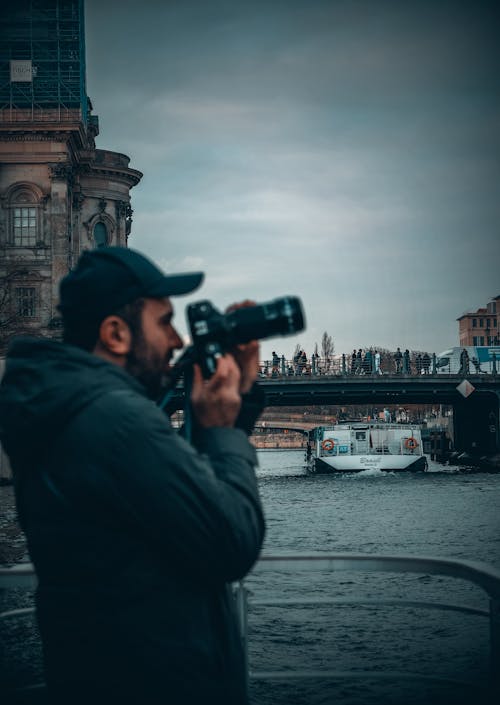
point(246, 355)
point(217, 401)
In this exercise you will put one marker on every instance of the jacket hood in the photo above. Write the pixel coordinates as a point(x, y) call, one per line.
point(46, 383)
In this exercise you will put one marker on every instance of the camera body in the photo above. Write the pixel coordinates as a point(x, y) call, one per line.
point(213, 333)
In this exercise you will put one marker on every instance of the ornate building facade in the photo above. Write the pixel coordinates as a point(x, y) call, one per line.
point(59, 195)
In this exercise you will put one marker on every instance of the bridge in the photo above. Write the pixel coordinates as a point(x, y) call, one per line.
point(475, 399)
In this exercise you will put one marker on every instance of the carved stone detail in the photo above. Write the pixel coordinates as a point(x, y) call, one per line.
point(78, 200)
point(102, 218)
point(61, 171)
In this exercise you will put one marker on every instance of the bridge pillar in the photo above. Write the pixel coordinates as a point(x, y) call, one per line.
point(476, 424)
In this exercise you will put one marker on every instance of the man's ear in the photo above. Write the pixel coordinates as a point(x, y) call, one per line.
point(115, 336)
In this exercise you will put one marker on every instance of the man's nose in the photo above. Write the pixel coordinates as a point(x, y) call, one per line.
point(178, 342)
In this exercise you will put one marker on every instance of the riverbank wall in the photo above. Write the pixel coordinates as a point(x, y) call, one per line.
point(283, 440)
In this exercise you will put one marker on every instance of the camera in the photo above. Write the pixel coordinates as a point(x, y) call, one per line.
point(213, 333)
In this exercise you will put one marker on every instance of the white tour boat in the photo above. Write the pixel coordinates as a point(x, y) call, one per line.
point(354, 447)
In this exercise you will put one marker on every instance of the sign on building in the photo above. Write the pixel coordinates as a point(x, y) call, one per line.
point(21, 71)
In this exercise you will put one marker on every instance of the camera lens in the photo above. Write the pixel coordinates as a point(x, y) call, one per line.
point(281, 316)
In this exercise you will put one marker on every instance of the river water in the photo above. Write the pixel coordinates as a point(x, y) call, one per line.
point(443, 513)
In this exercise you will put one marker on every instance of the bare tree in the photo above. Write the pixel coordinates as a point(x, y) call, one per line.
point(12, 321)
point(327, 351)
point(327, 346)
point(7, 311)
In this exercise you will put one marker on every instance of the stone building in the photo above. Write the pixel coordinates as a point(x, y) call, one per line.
point(59, 195)
point(481, 327)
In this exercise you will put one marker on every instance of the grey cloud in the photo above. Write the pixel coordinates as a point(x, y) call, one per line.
point(346, 151)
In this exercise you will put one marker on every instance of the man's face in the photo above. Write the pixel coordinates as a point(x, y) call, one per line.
point(153, 346)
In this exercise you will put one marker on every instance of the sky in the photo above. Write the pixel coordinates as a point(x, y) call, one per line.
point(343, 151)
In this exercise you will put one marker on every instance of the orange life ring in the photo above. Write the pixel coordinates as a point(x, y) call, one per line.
point(328, 444)
point(411, 443)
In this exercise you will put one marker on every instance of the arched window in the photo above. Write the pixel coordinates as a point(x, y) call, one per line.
point(25, 226)
point(100, 234)
point(24, 205)
point(100, 229)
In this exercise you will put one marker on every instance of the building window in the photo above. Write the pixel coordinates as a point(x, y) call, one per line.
point(26, 301)
point(100, 235)
point(25, 234)
point(24, 202)
point(494, 323)
point(481, 322)
point(481, 340)
point(474, 322)
point(474, 340)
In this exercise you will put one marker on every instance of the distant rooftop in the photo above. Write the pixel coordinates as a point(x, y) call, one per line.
point(483, 310)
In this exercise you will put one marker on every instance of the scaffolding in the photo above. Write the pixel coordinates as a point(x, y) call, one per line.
point(42, 60)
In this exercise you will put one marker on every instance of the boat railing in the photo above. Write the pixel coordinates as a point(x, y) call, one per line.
point(383, 449)
point(377, 444)
point(477, 573)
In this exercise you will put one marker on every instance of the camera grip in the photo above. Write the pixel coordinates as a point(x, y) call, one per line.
point(208, 360)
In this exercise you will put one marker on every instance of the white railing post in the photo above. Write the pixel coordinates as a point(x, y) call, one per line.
point(242, 611)
point(495, 646)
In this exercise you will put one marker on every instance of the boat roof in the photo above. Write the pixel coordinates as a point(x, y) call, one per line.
point(370, 426)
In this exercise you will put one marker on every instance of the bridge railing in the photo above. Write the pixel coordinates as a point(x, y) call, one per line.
point(345, 365)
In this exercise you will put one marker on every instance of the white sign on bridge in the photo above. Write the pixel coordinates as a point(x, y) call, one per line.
point(465, 388)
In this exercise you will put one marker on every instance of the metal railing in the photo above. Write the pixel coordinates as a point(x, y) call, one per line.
point(9, 114)
point(379, 442)
point(479, 574)
point(343, 365)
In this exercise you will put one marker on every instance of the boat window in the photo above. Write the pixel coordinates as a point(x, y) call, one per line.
point(442, 361)
point(360, 435)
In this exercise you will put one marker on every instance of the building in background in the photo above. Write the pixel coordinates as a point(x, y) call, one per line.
point(59, 195)
point(481, 327)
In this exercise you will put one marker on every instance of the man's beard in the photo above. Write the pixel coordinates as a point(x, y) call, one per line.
point(147, 366)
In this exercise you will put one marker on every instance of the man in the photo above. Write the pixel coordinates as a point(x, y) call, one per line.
point(464, 362)
point(398, 360)
point(135, 533)
point(406, 362)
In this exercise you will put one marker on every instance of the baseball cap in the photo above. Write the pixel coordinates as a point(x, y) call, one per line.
point(107, 278)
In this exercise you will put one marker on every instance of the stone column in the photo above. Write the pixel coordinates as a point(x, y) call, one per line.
point(61, 175)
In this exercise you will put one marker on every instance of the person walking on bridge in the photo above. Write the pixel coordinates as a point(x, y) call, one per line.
point(464, 362)
point(398, 360)
point(135, 532)
point(406, 362)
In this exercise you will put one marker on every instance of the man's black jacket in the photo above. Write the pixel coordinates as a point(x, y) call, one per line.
point(134, 532)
